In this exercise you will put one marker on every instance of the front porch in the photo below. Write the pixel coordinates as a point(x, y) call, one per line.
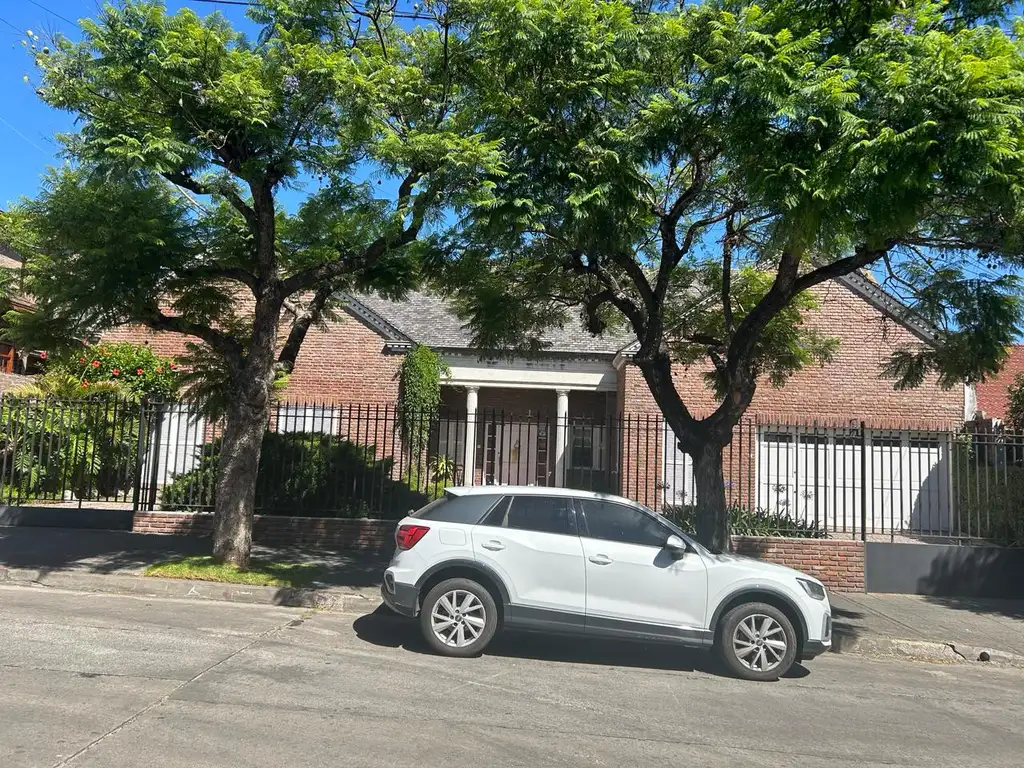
point(530, 423)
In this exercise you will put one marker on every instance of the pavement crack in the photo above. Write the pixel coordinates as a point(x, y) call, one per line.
point(952, 647)
point(154, 704)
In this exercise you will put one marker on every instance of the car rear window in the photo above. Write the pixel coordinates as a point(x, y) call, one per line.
point(468, 510)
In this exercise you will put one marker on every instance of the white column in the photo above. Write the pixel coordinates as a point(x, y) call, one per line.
point(561, 435)
point(469, 460)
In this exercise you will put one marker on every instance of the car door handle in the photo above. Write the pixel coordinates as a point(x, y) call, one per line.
point(600, 559)
point(494, 546)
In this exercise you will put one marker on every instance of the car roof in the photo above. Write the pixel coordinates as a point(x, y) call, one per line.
point(530, 490)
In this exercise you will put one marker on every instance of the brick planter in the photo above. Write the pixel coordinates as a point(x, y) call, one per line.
point(366, 535)
point(838, 563)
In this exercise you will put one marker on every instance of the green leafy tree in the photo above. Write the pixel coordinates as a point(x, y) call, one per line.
point(691, 171)
point(1015, 404)
point(170, 210)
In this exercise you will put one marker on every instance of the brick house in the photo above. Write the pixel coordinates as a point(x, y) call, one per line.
point(580, 414)
point(993, 393)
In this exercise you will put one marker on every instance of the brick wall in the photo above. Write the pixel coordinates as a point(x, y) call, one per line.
point(366, 535)
point(344, 362)
point(839, 564)
point(850, 387)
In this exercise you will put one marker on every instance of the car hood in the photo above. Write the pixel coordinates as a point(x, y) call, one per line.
point(754, 566)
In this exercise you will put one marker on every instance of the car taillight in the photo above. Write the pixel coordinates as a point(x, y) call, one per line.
point(408, 535)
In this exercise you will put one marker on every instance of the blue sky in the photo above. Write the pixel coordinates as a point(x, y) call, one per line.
point(27, 126)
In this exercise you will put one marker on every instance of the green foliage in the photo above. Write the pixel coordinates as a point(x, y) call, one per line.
point(81, 448)
point(989, 499)
point(1015, 404)
point(306, 474)
point(134, 369)
point(419, 395)
point(751, 522)
point(689, 172)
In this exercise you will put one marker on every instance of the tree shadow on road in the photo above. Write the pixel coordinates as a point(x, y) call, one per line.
point(384, 628)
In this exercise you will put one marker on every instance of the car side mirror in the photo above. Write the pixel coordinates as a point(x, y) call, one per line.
point(675, 545)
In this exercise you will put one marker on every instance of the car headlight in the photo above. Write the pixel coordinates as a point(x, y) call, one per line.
point(813, 589)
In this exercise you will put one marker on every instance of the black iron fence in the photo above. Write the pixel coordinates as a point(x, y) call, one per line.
point(366, 461)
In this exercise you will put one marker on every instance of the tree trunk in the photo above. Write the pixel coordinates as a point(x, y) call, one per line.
point(236, 483)
point(712, 512)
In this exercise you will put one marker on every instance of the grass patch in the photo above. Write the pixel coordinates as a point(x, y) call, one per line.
point(260, 573)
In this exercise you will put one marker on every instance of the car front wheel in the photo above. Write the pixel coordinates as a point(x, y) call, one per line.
point(458, 618)
point(757, 642)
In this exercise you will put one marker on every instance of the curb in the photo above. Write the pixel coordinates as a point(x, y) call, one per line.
point(922, 650)
point(326, 598)
point(367, 599)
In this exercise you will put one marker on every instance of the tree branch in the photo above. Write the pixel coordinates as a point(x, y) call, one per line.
point(727, 244)
point(228, 346)
point(185, 181)
point(307, 278)
point(300, 327)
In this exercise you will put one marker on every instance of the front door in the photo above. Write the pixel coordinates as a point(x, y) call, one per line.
point(635, 587)
point(532, 543)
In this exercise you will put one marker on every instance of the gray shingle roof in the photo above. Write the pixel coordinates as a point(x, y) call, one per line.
point(428, 319)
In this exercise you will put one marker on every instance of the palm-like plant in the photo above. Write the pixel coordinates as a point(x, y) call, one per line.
point(60, 434)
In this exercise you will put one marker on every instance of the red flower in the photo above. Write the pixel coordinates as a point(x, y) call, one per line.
point(95, 363)
point(85, 384)
point(159, 370)
point(81, 360)
point(42, 355)
point(116, 372)
point(139, 371)
point(173, 366)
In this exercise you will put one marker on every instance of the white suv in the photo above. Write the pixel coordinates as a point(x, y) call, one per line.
point(559, 560)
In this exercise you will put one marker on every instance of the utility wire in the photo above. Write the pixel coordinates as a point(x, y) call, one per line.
point(53, 13)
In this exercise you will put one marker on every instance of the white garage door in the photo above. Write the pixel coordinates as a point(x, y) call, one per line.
point(182, 431)
point(816, 477)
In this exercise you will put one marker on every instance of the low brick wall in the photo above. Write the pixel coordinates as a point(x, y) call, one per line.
point(839, 563)
point(372, 535)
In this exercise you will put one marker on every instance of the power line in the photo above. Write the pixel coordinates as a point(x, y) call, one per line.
point(53, 13)
point(5, 21)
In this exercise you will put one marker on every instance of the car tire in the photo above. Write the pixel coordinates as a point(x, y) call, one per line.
point(749, 638)
point(459, 618)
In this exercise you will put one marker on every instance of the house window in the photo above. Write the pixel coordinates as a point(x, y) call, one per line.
point(307, 418)
point(586, 445)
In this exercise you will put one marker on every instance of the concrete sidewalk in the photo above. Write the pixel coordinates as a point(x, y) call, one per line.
point(928, 628)
point(961, 627)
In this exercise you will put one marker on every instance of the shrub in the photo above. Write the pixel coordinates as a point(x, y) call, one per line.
point(748, 522)
point(306, 474)
point(135, 368)
point(87, 446)
point(989, 502)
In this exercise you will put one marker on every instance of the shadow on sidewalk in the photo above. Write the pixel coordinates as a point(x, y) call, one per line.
point(383, 628)
point(103, 552)
point(1013, 609)
point(120, 552)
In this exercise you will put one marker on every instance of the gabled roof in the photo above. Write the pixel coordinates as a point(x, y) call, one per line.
point(428, 319)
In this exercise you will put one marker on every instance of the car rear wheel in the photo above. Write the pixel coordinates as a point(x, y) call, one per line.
point(459, 618)
point(757, 642)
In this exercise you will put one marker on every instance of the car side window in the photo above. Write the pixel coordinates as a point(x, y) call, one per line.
point(544, 514)
point(609, 521)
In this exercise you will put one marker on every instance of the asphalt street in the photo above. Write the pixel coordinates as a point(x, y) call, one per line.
point(123, 682)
